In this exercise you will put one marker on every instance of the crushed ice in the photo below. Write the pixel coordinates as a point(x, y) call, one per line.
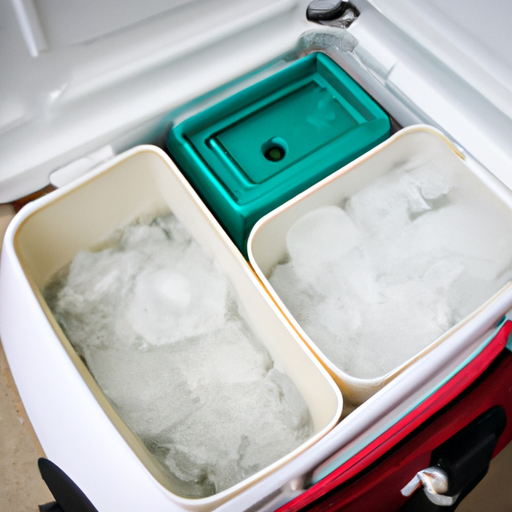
point(160, 329)
point(376, 279)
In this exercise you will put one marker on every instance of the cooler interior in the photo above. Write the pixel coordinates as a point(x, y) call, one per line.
point(404, 95)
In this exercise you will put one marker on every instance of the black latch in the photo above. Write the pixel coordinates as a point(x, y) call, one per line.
point(462, 461)
point(466, 456)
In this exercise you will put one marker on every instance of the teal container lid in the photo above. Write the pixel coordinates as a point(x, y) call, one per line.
point(255, 150)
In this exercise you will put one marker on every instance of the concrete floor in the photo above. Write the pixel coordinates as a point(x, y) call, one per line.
point(22, 489)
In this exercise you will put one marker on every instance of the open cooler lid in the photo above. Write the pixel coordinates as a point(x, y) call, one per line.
point(76, 76)
point(452, 60)
point(82, 78)
point(470, 37)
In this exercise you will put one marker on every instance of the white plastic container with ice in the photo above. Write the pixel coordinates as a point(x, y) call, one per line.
point(383, 260)
point(44, 239)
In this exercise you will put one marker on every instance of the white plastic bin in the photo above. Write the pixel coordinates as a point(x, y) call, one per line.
point(267, 245)
point(83, 434)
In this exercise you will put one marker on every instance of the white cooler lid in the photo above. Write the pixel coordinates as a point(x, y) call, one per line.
point(452, 60)
point(76, 76)
point(471, 37)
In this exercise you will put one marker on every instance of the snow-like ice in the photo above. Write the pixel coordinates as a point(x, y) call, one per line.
point(161, 331)
point(380, 276)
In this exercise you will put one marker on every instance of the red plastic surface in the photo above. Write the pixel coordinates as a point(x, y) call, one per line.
point(371, 480)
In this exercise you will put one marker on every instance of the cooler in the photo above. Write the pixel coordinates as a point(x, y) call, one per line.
point(84, 86)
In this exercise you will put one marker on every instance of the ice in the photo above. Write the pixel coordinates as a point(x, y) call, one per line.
point(324, 235)
point(389, 270)
point(161, 331)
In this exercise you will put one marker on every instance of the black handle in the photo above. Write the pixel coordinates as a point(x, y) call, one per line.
point(69, 497)
point(466, 456)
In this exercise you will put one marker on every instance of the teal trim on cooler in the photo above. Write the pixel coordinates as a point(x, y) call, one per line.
point(262, 146)
point(508, 346)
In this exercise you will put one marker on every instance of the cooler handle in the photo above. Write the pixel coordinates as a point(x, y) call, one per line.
point(461, 461)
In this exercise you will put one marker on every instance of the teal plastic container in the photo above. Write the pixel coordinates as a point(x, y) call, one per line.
point(255, 150)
